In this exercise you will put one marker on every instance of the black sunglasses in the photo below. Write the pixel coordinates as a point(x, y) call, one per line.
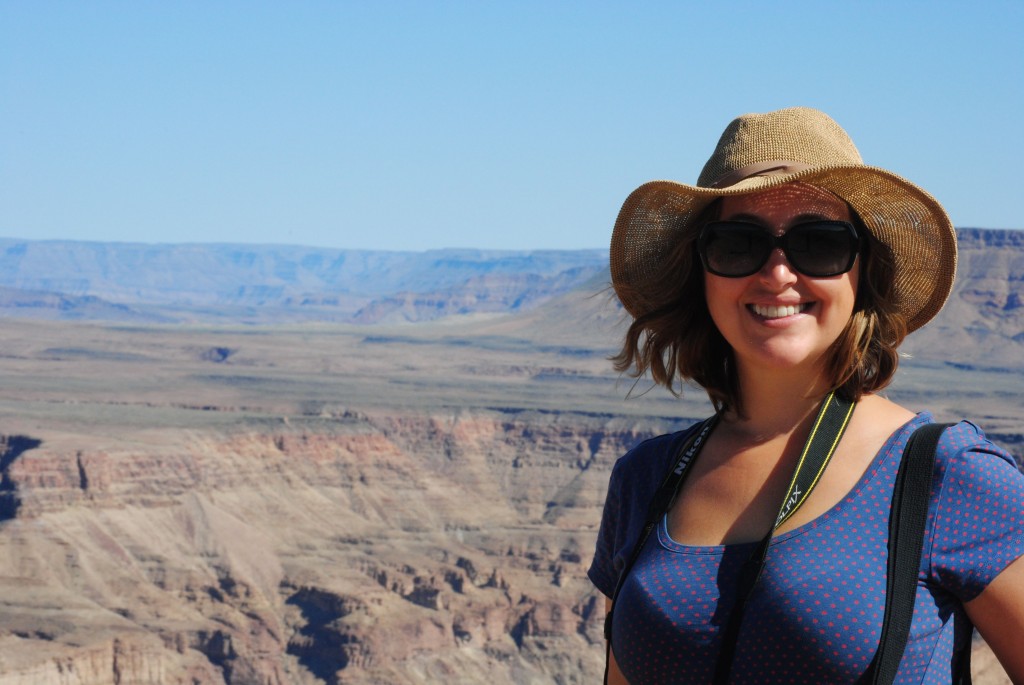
point(814, 248)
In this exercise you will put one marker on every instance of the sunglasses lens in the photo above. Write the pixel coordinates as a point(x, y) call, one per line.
point(818, 249)
point(734, 249)
point(825, 248)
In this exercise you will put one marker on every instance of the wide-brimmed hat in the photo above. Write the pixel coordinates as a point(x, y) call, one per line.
point(759, 151)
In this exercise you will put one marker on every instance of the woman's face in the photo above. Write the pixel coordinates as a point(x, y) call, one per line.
point(778, 318)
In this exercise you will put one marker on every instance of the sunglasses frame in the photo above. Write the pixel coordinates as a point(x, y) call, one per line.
point(779, 242)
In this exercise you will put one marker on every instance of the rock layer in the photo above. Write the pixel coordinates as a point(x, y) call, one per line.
point(345, 549)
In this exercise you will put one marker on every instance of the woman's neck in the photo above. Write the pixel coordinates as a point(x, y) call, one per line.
point(776, 404)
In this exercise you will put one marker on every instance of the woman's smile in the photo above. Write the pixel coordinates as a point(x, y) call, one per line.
point(780, 311)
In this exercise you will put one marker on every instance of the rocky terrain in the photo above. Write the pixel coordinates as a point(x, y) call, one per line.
point(349, 548)
point(252, 509)
point(365, 504)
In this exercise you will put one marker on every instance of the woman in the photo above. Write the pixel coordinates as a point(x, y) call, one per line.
point(788, 275)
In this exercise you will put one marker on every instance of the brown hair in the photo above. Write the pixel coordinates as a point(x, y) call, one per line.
point(675, 337)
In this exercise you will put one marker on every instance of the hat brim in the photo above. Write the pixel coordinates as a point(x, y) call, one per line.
point(897, 213)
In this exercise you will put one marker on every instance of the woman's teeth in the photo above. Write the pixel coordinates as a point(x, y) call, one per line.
point(773, 312)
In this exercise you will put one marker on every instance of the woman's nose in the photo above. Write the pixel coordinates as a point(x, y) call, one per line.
point(777, 270)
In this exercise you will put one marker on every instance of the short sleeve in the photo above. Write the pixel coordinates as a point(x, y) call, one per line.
point(634, 481)
point(603, 572)
point(978, 525)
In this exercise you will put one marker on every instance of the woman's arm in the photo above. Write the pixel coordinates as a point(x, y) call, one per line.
point(998, 612)
point(615, 676)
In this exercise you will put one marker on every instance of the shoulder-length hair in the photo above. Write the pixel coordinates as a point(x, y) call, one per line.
point(676, 340)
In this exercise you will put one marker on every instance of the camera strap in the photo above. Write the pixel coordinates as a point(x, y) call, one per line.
point(826, 431)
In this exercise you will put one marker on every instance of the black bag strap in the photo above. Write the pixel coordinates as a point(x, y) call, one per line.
point(907, 518)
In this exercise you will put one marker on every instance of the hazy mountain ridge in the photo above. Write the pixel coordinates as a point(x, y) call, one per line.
point(198, 277)
point(983, 321)
point(70, 280)
point(488, 293)
point(992, 237)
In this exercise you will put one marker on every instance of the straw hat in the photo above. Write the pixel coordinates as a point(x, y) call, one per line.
point(759, 151)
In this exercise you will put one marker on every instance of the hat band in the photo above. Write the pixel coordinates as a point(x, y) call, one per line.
point(769, 168)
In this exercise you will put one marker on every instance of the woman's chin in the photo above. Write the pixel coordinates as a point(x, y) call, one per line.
point(783, 358)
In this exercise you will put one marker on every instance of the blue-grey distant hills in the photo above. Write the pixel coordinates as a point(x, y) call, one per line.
point(131, 282)
point(135, 281)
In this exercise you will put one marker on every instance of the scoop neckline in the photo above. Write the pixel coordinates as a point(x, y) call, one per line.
point(886, 451)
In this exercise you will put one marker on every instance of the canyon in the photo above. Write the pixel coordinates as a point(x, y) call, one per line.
point(199, 495)
point(276, 508)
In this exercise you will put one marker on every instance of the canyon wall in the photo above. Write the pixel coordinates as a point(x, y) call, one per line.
point(354, 548)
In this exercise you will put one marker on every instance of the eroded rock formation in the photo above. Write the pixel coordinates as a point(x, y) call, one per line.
point(343, 549)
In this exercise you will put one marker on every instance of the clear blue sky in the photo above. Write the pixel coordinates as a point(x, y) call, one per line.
point(514, 125)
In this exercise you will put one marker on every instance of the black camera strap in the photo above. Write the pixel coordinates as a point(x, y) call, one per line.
point(659, 505)
point(825, 434)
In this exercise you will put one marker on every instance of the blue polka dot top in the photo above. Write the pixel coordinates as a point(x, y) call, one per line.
point(816, 614)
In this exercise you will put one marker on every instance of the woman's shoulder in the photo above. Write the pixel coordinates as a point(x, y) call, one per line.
point(965, 434)
point(649, 460)
point(891, 425)
point(962, 444)
point(658, 446)
point(877, 419)
point(978, 496)
point(965, 450)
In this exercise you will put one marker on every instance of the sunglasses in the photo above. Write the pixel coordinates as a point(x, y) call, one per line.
point(815, 248)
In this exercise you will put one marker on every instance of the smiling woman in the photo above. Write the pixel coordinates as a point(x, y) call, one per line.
point(775, 316)
point(753, 547)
